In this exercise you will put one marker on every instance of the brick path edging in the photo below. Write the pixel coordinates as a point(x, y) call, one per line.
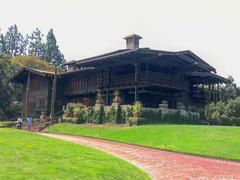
point(145, 146)
point(161, 164)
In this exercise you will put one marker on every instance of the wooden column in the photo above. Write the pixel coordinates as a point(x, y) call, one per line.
point(87, 83)
point(147, 71)
point(27, 94)
point(213, 93)
point(108, 84)
point(54, 89)
point(218, 91)
point(136, 65)
point(209, 92)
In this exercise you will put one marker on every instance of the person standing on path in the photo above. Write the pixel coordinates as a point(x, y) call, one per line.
point(19, 122)
point(29, 123)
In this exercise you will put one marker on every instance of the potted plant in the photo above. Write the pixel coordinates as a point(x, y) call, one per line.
point(117, 98)
point(99, 98)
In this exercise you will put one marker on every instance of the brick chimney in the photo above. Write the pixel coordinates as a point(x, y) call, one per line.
point(132, 41)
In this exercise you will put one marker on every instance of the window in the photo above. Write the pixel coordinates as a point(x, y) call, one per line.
point(35, 84)
point(77, 84)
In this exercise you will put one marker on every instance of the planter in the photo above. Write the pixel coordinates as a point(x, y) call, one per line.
point(181, 106)
point(163, 105)
point(117, 100)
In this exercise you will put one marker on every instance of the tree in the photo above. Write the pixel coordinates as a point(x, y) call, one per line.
point(2, 43)
point(10, 96)
point(15, 43)
point(36, 44)
point(229, 91)
point(53, 54)
point(31, 61)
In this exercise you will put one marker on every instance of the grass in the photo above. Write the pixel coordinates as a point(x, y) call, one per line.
point(215, 141)
point(25, 155)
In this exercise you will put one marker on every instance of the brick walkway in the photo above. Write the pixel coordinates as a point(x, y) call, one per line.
point(162, 164)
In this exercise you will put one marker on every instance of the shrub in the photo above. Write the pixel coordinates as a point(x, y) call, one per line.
point(137, 106)
point(128, 113)
point(70, 109)
point(137, 109)
point(69, 120)
point(133, 121)
point(80, 114)
point(110, 116)
point(119, 115)
point(98, 115)
point(224, 112)
point(152, 117)
point(88, 114)
point(177, 118)
point(99, 98)
point(115, 115)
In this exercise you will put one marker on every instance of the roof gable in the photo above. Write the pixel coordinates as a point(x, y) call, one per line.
point(19, 76)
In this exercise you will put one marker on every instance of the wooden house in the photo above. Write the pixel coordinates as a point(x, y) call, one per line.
point(140, 74)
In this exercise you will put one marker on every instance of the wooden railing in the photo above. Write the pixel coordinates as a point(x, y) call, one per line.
point(162, 80)
point(165, 80)
point(144, 78)
point(204, 93)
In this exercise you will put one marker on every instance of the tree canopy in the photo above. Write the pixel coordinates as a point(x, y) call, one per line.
point(52, 53)
point(229, 91)
point(10, 96)
point(30, 61)
point(36, 44)
point(13, 43)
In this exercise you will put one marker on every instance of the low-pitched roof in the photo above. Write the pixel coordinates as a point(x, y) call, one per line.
point(22, 72)
point(19, 76)
point(206, 76)
point(184, 56)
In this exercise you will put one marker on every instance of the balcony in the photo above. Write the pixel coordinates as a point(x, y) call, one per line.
point(148, 78)
point(128, 81)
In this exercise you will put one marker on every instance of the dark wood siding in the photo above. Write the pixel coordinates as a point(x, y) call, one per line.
point(38, 95)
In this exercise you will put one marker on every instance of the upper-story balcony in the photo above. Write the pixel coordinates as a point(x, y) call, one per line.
point(144, 79)
point(148, 79)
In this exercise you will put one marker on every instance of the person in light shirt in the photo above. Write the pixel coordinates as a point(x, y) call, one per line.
point(29, 123)
point(19, 122)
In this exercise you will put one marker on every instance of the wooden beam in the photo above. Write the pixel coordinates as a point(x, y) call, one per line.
point(87, 83)
point(54, 87)
point(136, 66)
point(108, 83)
point(27, 94)
point(199, 64)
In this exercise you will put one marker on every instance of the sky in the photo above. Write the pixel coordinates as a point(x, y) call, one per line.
point(83, 28)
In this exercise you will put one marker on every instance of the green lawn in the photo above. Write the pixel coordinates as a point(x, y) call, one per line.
point(24, 155)
point(216, 141)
